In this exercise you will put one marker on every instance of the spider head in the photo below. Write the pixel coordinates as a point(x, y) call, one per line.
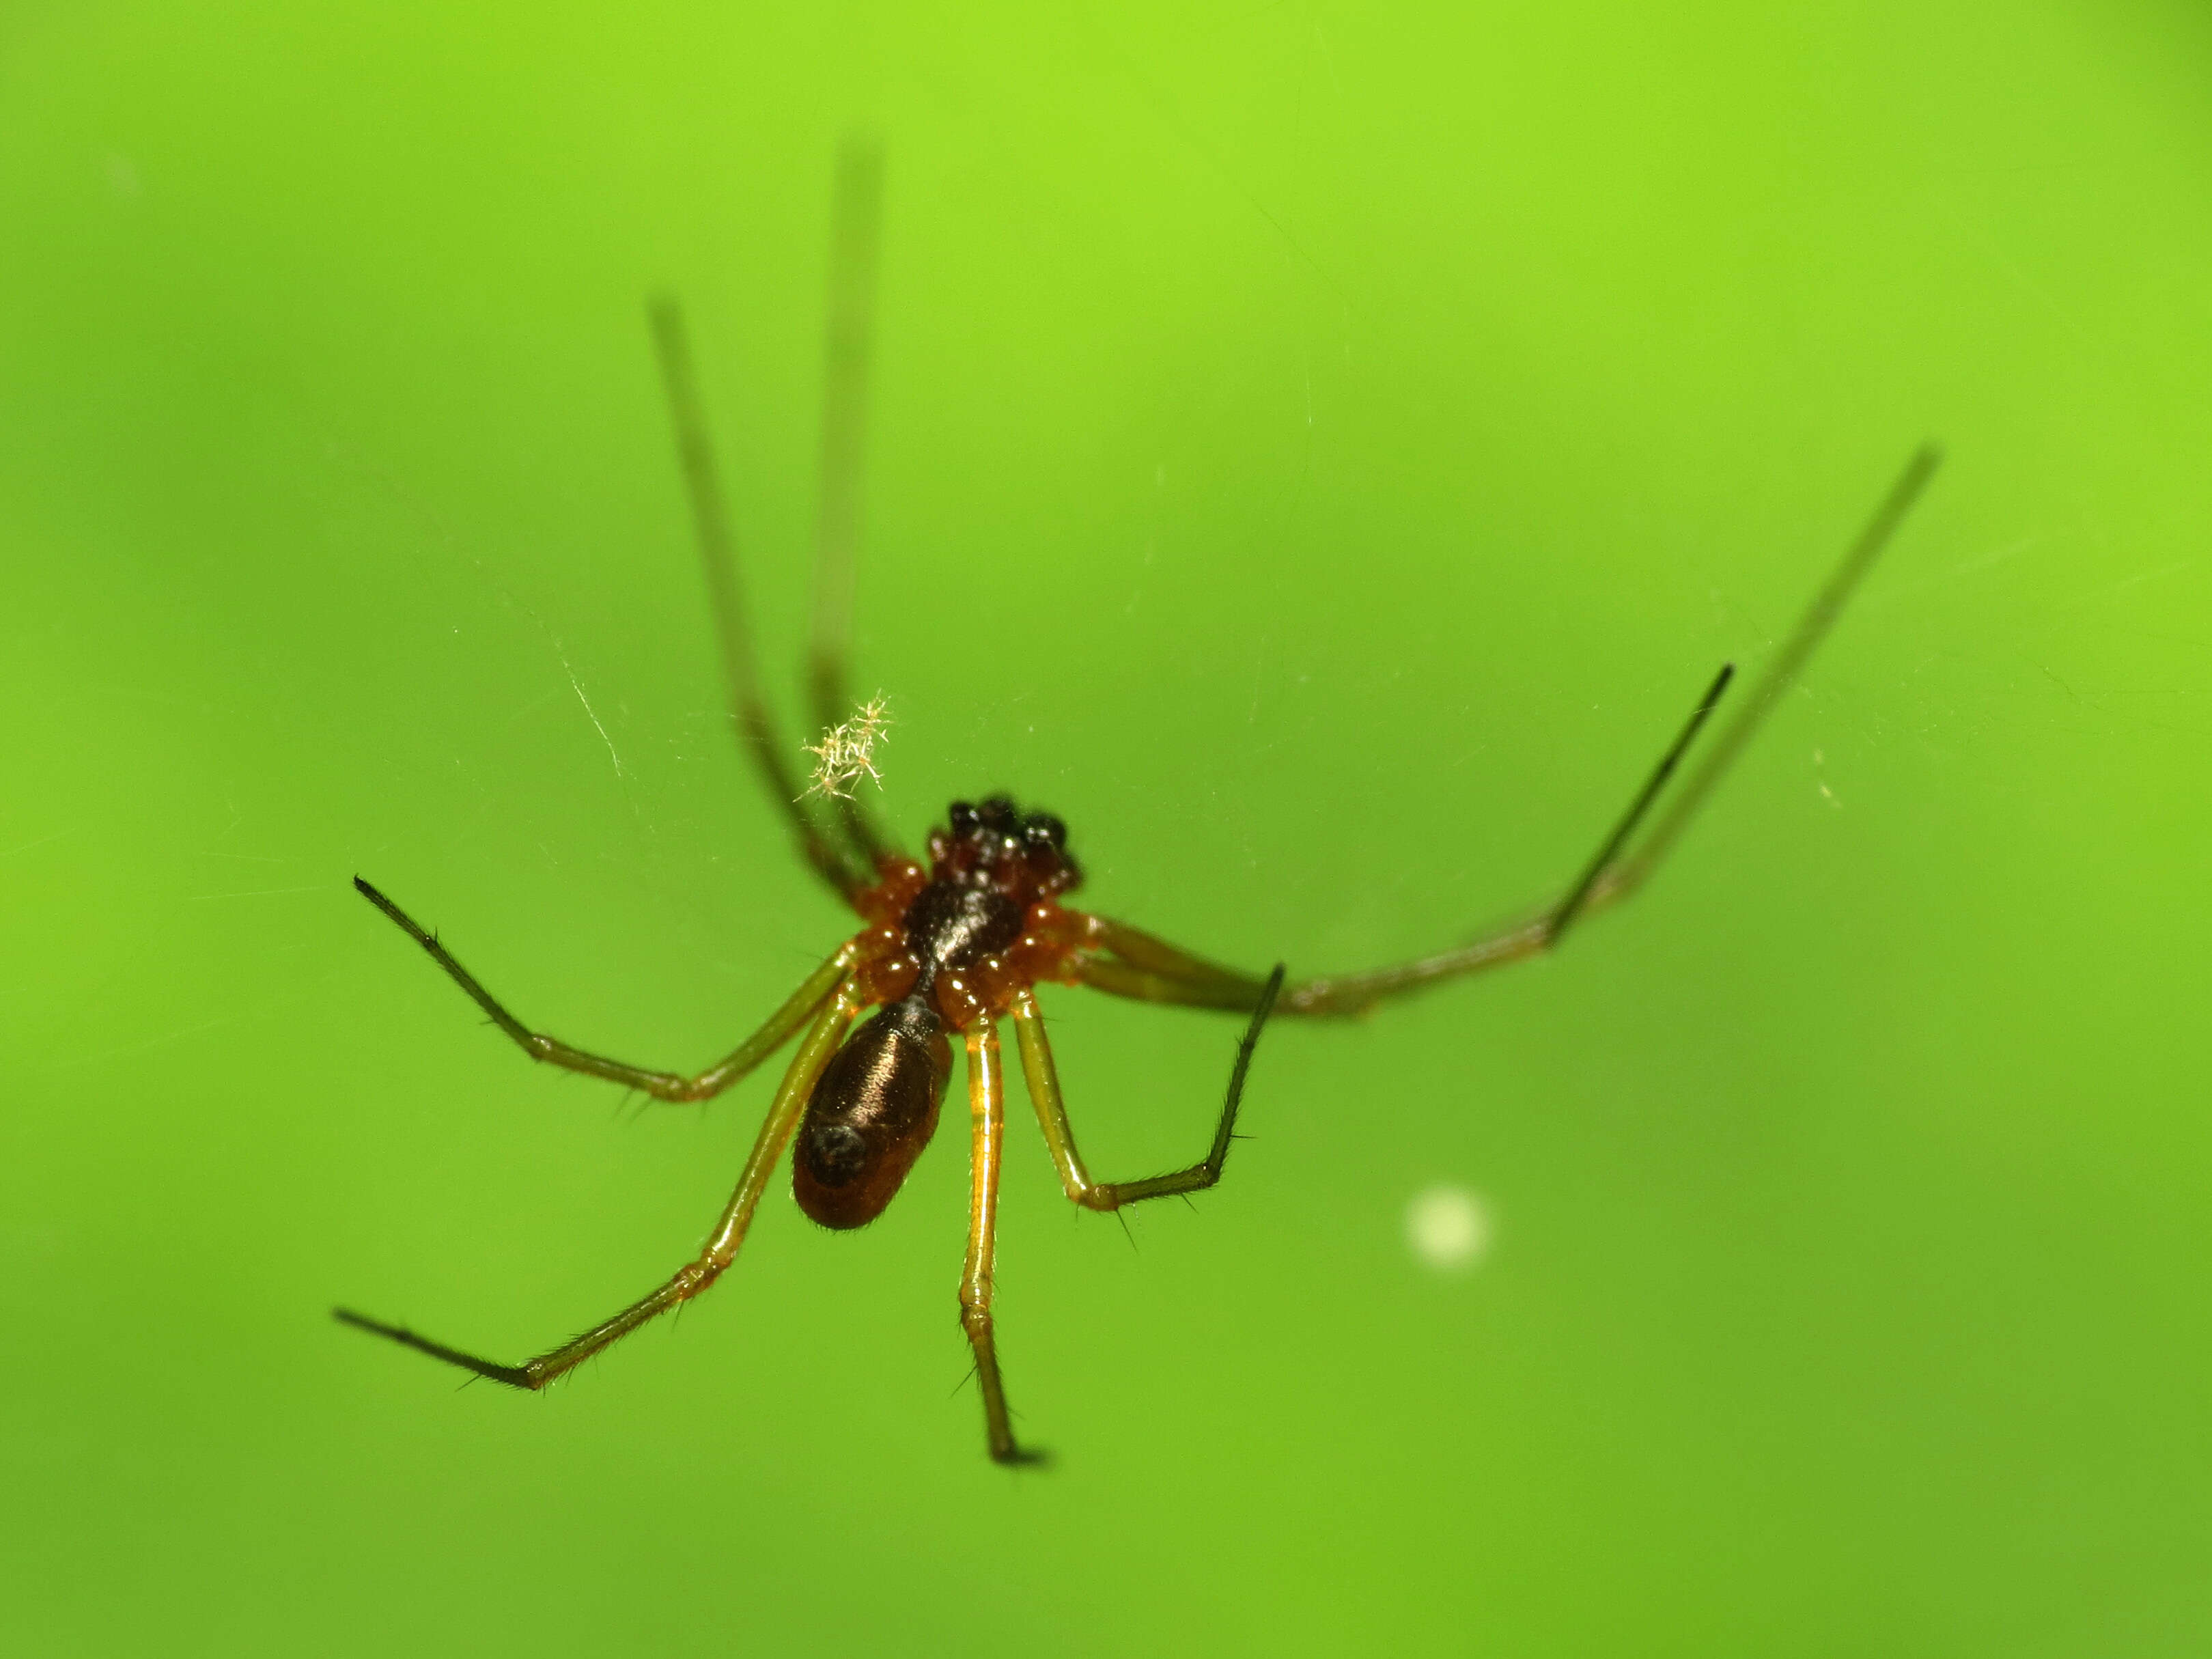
point(993, 843)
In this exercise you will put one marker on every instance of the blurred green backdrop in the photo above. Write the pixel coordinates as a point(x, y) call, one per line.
point(1318, 449)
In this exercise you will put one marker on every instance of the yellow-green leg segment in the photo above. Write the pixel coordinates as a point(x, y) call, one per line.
point(821, 1042)
point(1059, 1135)
point(986, 1114)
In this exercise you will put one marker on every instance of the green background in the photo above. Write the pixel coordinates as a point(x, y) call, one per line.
point(1319, 450)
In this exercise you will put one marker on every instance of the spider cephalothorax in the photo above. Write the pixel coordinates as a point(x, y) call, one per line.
point(981, 923)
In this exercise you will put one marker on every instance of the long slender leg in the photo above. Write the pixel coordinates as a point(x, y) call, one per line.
point(987, 1113)
point(1578, 896)
point(1812, 627)
point(1153, 970)
point(1141, 966)
point(797, 1010)
point(1059, 1135)
point(857, 221)
point(840, 864)
point(721, 1249)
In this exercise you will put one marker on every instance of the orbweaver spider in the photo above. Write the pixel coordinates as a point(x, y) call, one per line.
point(953, 947)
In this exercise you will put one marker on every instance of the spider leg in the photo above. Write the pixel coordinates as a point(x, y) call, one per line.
point(1059, 1133)
point(1151, 969)
point(1137, 965)
point(797, 1010)
point(857, 223)
point(1578, 896)
point(986, 1111)
point(721, 1248)
point(836, 859)
point(1812, 627)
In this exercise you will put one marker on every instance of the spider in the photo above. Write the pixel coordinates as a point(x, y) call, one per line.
point(949, 948)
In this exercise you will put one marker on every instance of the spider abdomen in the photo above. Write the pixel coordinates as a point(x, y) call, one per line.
point(872, 1113)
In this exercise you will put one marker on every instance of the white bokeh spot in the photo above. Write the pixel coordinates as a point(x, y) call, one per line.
point(1447, 1228)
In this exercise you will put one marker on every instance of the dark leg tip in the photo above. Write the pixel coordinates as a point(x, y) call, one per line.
point(362, 1322)
point(515, 1377)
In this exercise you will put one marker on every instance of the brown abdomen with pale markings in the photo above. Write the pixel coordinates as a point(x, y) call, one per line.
point(871, 1114)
